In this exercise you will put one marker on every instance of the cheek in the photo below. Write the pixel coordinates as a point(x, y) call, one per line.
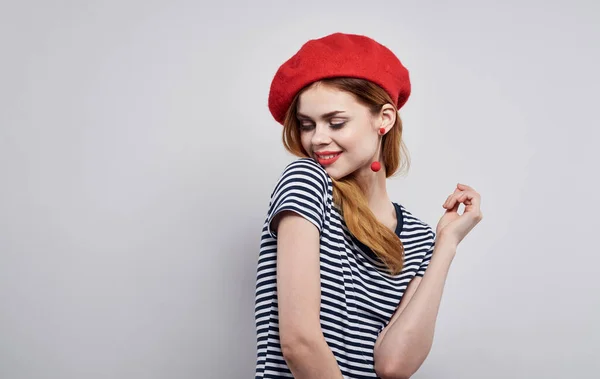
point(305, 139)
point(353, 141)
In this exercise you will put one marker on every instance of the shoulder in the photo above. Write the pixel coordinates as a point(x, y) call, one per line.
point(304, 188)
point(307, 165)
point(414, 225)
point(307, 172)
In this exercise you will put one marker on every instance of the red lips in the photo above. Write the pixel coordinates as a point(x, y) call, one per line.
point(327, 161)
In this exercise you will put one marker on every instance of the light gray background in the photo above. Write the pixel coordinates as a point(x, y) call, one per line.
point(137, 156)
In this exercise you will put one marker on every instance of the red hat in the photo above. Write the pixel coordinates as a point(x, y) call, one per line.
point(338, 55)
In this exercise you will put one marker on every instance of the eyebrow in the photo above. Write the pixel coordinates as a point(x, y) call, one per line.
point(323, 116)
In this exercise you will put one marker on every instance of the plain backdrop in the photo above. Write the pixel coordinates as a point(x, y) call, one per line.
point(137, 157)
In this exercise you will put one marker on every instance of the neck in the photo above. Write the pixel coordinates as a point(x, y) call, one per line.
point(374, 186)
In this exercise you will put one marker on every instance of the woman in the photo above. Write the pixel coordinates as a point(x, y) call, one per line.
point(348, 282)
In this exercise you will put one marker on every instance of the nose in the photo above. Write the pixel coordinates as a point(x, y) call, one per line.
point(321, 136)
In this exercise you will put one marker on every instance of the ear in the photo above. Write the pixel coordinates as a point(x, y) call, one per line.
point(387, 116)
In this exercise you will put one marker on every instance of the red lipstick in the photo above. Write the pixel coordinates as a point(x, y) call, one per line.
point(327, 161)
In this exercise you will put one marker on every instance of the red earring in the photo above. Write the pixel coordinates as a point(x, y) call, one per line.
point(376, 166)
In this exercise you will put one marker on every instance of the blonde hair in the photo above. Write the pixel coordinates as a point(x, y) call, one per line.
point(347, 194)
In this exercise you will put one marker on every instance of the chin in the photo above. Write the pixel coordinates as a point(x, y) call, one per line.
point(336, 173)
point(337, 170)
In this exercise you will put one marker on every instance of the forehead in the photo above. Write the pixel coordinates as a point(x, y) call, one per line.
point(321, 99)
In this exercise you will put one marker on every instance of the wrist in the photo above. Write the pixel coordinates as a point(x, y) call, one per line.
point(445, 246)
point(447, 240)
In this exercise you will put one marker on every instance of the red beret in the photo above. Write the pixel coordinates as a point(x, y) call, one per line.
point(338, 55)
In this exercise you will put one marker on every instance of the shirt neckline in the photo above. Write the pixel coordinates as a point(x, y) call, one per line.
point(399, 218)
point(398, 231)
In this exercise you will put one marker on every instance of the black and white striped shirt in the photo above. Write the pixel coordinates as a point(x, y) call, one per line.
point(358, 297)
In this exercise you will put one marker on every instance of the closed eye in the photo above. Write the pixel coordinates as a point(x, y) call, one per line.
point(333, 126)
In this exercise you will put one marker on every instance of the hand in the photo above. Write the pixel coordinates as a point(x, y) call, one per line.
point(452, 227)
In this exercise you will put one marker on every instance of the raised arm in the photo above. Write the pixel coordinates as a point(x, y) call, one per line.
point(407, 339)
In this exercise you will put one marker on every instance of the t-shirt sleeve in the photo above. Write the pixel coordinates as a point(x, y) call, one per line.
point(427, 257)
point(301, 188)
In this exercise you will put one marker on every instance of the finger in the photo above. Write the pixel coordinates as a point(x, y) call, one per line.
point(454, 207)
point(464, 187)
point(472, 202)
point(446, 202)
point(467, 188)
point(454, 198)
point(449, 198)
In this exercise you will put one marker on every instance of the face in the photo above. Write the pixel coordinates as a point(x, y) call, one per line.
point(343, 142)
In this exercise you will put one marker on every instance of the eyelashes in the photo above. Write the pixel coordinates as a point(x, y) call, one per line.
point(333, 126)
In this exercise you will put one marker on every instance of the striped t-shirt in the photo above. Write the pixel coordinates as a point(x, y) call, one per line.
point(358, 297)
